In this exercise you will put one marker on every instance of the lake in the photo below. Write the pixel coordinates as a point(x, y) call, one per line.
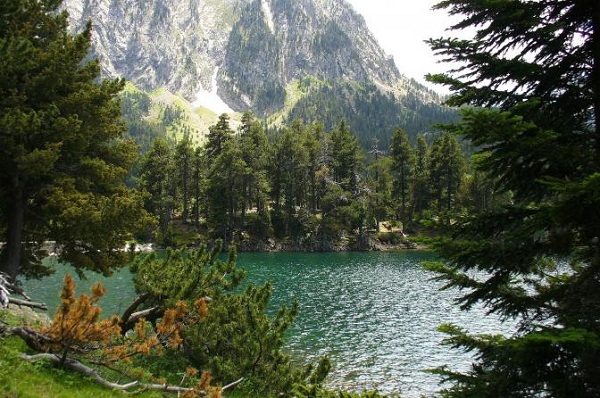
point(374, 314)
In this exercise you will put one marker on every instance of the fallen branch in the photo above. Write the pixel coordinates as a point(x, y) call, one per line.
point(80, 368)
point(34, 340)
point(87, 371)
point(25, 303)
point(231, 385)
point(6, 286)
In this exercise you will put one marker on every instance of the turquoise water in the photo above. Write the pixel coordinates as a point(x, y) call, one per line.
point(374, 314)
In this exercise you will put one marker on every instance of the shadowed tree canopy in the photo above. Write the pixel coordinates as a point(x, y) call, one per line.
point(532, 73)
point(63, 157)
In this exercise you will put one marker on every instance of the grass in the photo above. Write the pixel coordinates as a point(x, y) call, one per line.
point(22, 379)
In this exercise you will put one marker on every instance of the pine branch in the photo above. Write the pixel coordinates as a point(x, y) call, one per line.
point(150, 314)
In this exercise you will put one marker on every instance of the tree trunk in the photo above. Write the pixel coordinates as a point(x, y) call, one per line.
point(11, 261)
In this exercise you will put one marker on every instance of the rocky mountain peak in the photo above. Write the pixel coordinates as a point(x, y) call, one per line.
point(280, 57)
point(179, 44)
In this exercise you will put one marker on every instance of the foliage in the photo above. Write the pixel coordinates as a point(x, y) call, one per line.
point(78, 329)
point(402, 158)
point(157, 181)
point(64, 156)
point(309, 188)
point(78, 340)
point(533, 67)
point(235, 337)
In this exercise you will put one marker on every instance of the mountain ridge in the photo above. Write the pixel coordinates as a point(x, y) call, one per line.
point(251, 54)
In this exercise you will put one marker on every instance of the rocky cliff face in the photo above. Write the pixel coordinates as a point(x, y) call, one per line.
point(155, 43)
point(253, 54)
point(180, 43)
point(275, 42)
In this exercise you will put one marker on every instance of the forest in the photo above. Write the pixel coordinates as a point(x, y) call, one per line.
point(508, 195)
point(304, 188)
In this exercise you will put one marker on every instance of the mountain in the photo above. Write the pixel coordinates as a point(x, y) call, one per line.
point(282, 59)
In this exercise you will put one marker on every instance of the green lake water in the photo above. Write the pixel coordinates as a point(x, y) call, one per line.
point(374, 314)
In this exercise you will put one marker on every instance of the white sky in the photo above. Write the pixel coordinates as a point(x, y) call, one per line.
point(401, 26)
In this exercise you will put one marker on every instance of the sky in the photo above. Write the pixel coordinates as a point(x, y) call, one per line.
point(401, 26)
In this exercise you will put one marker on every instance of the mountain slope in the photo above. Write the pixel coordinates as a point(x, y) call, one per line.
point(236, 55)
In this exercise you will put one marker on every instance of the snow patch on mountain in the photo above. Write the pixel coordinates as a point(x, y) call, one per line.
point(210, 99)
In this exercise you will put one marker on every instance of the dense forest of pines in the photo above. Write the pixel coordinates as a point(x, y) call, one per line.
point(304, 188)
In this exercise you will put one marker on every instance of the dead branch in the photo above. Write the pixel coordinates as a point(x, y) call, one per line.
point(134, 306)
point(34, 340)
point(231, 385)
point(79, 367)
point(151, 314)
point(24, 303)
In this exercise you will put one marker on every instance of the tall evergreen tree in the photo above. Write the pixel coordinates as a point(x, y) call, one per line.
point(346, 157)
point(402, 166)
point(218, 134)
point(420, 186)
point(447, 165)
point(198, 176)
point(225, 190)
point(380, 184)
point(253, 142)
point(184, 154)
point(63, 157)
point(535, 68)
point(158, 178)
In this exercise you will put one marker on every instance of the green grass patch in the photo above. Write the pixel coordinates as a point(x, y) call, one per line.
point(23, 379)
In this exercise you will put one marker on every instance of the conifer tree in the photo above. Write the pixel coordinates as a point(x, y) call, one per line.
point(158, 179)
point(402, 166)
point(533, 69)
point(63, 158)
point(235, 336)
point(420, 186)
point(346, 157)
point(253, 142)
point(184, 154)
point(447, 166)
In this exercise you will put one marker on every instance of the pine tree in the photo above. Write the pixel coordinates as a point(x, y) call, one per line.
point(402, 166)
point(420, 186)
point(237, 336)
point(534, 69)
point(346, 157)
point(64, 158)
point(158, 180)
point(224, 192)
point(253, 142)
point(218, 135)
point(184, 154)
point(447, 166)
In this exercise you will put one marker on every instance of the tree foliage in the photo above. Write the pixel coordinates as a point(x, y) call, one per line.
point(533, 70)
point(303, 186)
point(64, 158)
point(233, 335)
point(79, 340)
